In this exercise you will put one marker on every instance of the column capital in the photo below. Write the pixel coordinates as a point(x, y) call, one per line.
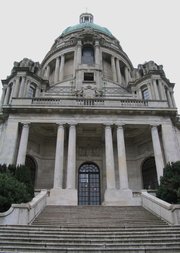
point(25, 124)
point(71, 124)
point(120, 125)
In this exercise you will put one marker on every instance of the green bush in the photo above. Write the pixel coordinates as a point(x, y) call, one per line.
point(169, 188)
point(12, 191)
point(15, 185)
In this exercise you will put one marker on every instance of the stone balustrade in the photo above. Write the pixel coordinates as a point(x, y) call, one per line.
point(88, 102)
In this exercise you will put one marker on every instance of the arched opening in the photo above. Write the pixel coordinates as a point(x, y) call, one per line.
point(149, 174)
point(89, 184)
point(31, 164)
point(88, 55)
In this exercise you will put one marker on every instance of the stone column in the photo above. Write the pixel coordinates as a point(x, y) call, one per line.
point(6, 99)
point(47, 73)
point(59, 158)
point(113, 69)
point(97, 53)
point(172, 98)
point(16, 88)
point(3, 96)
point(21, 89)
point(126, 75)
point(110, 170)
point(78, 53)
point(23, 145)
point(71, 160)
point(156, 90)
point(56, 71)
point(170, 144)
point(163, 94)
point(157, 152)
point(61, 72)
point(149, 91)
point(123, 175)
point(118, 70)
point(169, 99)
point(152, 90)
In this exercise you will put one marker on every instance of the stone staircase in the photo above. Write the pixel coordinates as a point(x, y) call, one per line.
point(92, 229)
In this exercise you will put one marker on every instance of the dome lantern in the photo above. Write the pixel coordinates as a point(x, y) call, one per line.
point(86, 18)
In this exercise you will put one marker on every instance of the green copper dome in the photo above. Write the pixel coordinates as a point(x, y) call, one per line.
point(86, 21)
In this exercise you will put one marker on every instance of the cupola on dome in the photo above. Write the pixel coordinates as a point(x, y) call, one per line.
point(86, 21)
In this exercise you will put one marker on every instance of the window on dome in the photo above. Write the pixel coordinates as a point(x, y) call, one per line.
point(31, 91)
point(145, 93)
point(88, 55)
point(88, 76)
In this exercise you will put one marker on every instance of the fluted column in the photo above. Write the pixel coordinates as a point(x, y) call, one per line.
point(59, 158)
point(110, 170)
point(6, 99)
point(78, 53)
point(163, 94)
point(61, 72)
point(16, 87)
point(3, 96)
point(157, 152)
point(169, 99)
point(172, 98)
point(113, 69)
point(97, 53)
point(126, 75)
point(47, 73)
point(119, 77)
point(122, 165)
point(21, 158)
point(71, 160)
point(56, 72)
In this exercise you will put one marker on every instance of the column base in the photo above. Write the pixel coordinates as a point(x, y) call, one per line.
point(62, 197)
point(117, 197)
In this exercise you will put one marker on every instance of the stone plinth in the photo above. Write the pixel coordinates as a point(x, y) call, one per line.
point(60, 196)
point(116, 197)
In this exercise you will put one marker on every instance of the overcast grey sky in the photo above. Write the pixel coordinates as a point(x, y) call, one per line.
point(147, 30)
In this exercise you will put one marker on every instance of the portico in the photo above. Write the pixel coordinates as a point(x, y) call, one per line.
point(106, 145)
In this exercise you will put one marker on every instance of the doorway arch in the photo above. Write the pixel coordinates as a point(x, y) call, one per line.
point(89, 184)
point(149, 174)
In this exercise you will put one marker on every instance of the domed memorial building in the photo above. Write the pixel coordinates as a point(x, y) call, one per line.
point(94, 129)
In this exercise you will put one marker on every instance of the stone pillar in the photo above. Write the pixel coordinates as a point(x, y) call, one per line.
point(56, 71)
point(21, 89)
point(152, 90)
point(170, 145)
point(110, 170)
point(6, 99)
point(16, 87)
point(163, 94)
point(3, 96)
point(123, 175)
point(71, 160)
point(172, 98)
point(157, 152)
point(156, 90)
point(113, 69)
point(126, 75)
point(61, 72)
point(169, 99)
point(97, 53)
point(47, 73)
point(23, 145)
point(118, 70)
point(78, 53)
point(59, 158)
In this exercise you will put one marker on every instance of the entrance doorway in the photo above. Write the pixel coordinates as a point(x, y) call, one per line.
point(89, 185)
point(149, 174)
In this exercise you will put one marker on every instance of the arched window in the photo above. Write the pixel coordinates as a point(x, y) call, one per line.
point(31, 91)
point(145, 92)
point(88, 55)
point(149, 174)
point(89, 184)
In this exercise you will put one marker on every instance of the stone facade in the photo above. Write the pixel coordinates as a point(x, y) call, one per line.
point(87, 104)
